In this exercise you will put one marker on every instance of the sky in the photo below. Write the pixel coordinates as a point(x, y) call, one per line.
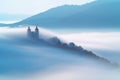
point(14, 10)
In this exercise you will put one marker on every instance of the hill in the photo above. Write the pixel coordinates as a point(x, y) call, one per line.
point(99, 14)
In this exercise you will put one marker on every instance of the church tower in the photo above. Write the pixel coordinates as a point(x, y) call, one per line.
point(37, 32)
point(28, 32)
point(33, 34)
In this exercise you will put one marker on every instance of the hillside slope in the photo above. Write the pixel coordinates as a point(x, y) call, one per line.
point(99, 14)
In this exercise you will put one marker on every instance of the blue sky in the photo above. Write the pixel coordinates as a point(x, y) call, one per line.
point(20, 9)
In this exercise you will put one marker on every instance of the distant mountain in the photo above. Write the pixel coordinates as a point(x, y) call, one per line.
point(99, 13)
point(51, 17)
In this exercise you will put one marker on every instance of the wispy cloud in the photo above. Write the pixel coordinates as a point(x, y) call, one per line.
point(95, 40)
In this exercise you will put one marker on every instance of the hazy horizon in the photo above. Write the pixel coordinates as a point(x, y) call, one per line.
point(12, 11)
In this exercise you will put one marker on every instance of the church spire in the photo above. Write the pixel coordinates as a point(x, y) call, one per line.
point(28, 31)
point(36, 28)
point(33, 34)
point(29, 28)
point(37, 32)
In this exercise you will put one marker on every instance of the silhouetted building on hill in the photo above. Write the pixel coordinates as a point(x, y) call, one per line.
point(33, 34)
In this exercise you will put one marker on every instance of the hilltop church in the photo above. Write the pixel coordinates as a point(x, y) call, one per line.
point(33, 34)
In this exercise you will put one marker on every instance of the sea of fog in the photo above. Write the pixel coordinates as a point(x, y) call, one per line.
point(102, 43)
point(24, 60)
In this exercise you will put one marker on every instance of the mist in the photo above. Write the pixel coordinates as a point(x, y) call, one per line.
point(23, 59)
point(102, 43)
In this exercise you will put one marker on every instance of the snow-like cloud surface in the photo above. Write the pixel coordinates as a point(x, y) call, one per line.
point(97, 40)
point(20, 61)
